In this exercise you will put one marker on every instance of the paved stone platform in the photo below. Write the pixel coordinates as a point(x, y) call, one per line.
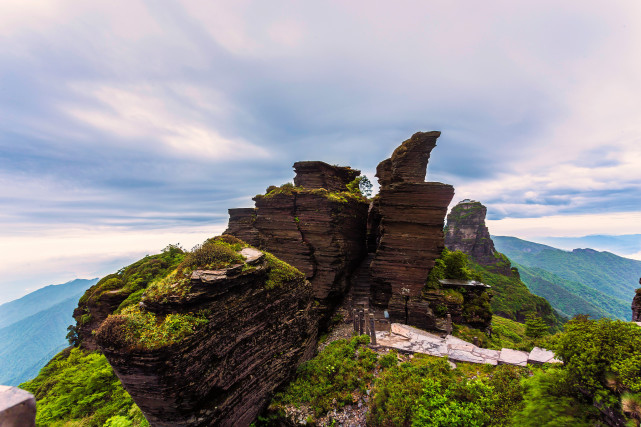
point(409, 339)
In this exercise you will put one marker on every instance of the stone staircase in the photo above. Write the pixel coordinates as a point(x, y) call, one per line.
point(361, 284)
point(412, 340)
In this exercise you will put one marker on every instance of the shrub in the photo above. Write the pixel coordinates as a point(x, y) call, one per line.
point(333, 378)
point(80, 388)
point(213, 254)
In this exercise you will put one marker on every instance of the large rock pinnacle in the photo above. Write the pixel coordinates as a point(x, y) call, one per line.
point(466, 231)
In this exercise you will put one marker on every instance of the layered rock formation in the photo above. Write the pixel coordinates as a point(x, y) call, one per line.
point(314, 175)
point(258, 329)
point(466, 232)
point(407, 228)
point(636, 305)
point(317, 226)
point(250, 335)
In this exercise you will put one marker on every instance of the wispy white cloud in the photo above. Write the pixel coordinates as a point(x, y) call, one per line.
point(55, 255)
point(164, 114)
point(568, 225)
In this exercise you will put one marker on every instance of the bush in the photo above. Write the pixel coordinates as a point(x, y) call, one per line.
point(213, 254)
point(334, 378)
point(80, 388)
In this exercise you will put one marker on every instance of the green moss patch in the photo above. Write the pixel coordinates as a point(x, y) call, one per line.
point(135, 277)
point(338, 197)
point(280, 272)
point(136, 328)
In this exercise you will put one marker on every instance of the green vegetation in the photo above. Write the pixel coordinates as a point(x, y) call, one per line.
point(334, 378)
point(280, 272)
point(78, 388)
point(451, 265)
point(513, 300)
point(535, 327)
point(215, 253)
point(288, 189)
point(361, 186)
point(409, 393)
point(143, 330)
point(601, 372)
point(506, 333)
point(132, 280)
point(582, 281)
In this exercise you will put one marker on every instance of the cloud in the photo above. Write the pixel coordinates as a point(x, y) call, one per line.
point(155, 115)
point(55, 255)
point(617, 223)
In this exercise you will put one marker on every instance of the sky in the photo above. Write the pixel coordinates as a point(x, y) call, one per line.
point(126, 126)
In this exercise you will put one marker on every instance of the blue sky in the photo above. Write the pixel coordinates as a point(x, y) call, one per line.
point(128, 126)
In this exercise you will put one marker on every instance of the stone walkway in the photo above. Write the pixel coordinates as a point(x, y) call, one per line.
point(413, 340)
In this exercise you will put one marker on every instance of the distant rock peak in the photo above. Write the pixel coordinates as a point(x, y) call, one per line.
point(467, 232)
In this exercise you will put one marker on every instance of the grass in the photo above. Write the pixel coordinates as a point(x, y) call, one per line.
point(135, 328)
point(280, 272)
point(506, 333)
point(339, 375)
point(289, 189)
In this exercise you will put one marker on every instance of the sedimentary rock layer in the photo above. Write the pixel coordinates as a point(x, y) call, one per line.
point(314, 175)
point(227, 370)
point(406, 227)
point(319, 231)
point(466, 231)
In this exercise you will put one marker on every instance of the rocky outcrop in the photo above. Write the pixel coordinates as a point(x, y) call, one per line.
point(255, 336)
point(315, 175)
point(636, 305)
point(90, 316)
point(316, 226)
point(466, 232)
point(409, 230)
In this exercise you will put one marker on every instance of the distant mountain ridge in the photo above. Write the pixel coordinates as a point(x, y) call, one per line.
point(41, 299)
point(582, 281)
point(34, 329)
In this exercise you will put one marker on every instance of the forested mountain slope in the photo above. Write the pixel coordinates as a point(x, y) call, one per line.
point(583, 281)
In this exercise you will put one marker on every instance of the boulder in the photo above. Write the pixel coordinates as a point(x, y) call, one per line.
point(540, 356)
point(409, 161)
point(17, 407)
point(508, 356)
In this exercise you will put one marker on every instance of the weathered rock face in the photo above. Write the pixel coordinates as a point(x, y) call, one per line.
point(466, 232)
point(90, 316)
point(225, 372)
point(315, 175)
point(321, 232)
point(408, 230)
point(636, 305)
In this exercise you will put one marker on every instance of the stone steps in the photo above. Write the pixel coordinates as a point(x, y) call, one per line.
point(413, 340)
point(361, 283)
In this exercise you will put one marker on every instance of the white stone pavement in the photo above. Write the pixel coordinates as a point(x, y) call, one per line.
point(407, 338)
